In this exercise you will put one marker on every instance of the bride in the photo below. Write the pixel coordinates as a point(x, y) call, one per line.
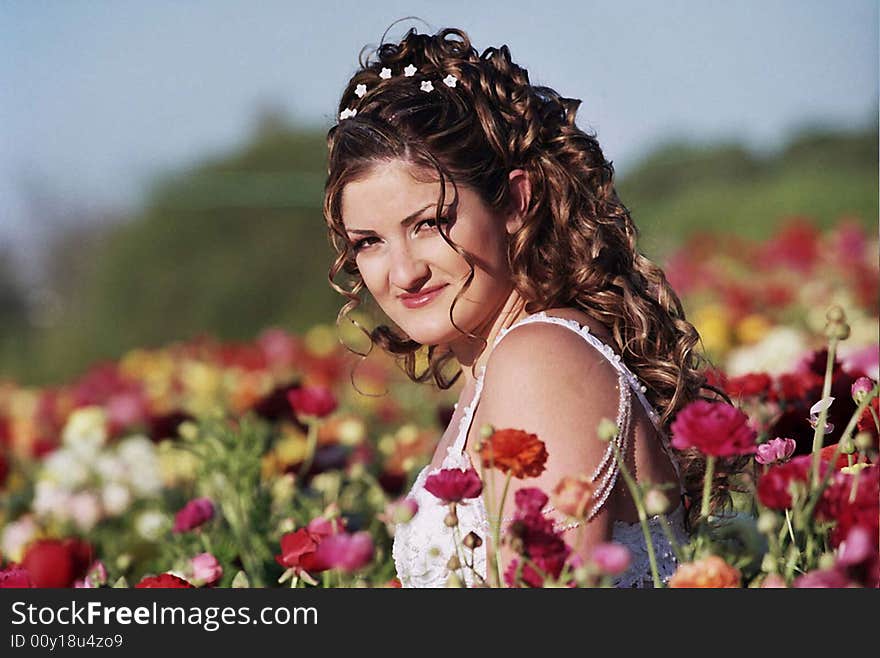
point(486, 226)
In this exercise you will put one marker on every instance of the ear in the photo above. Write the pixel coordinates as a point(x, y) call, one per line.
point(520, 196)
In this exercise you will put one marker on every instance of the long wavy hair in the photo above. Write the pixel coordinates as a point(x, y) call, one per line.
point(577, 244)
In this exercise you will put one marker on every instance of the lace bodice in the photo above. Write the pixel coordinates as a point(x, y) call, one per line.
point(422, 547)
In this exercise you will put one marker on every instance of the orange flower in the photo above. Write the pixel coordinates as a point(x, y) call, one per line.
point(519, 452)
point(710, 572)
point(572, 495)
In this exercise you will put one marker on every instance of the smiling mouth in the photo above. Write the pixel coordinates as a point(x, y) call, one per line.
point(421, 300)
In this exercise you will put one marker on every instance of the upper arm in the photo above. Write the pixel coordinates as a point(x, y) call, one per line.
point(546, 380)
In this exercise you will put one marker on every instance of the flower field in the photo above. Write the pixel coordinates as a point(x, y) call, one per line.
point(259, 464)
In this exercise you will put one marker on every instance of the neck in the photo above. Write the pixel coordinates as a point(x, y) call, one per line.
point(471, 353)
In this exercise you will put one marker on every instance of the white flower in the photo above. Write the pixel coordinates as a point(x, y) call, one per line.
point(85, 430)
point(347, 113)
point(410, 71)
point(116, 498)
point(65, 468)
point(427, 86)
point(152, 525)
point(16, 536)
point(450, 80)
point(817, 409)
point(360, 90)
point(385, 73)
point(85, 510)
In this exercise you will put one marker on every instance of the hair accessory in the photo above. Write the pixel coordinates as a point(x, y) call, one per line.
point(347, 113)
point(385, 73)
point(360, 90)
point(450, 80)
point(427, 86)
point(410, 71)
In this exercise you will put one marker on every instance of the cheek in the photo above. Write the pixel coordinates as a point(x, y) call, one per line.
point(371, 273)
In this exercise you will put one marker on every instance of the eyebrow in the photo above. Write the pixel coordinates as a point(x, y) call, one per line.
point(406, 221)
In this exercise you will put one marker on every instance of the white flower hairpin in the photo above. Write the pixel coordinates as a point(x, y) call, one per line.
point(385, 74)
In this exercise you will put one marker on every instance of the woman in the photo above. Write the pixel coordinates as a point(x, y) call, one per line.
point(473, 209)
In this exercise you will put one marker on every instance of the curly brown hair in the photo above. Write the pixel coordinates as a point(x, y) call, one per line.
point(577, 244)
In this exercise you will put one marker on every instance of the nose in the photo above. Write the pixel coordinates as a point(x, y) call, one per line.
point(408, 271)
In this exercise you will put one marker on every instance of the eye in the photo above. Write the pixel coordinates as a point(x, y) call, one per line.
point(433, 223)
point(360, 244)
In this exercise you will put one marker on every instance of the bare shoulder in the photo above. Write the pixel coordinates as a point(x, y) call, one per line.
point(544, 376)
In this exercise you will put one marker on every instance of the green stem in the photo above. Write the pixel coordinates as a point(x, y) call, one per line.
point(819, 432)
point(311, 444)
point(707, 486)
point(816, 492)
point(643, 517)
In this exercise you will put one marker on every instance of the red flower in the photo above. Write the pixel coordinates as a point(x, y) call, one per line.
point(714, 428)
point(454, 484)
point(516, 451)
point(298, 551)
point(56, 562)
point(866, 420)
point(536, 539)
point(163, 581)
point(315, 401)
point(863, 510)
point(194, 513)
point(14, 577)
point(345, 551)
point(802, 386)
point(753, 384)
point(321, 527)
point(774, 485)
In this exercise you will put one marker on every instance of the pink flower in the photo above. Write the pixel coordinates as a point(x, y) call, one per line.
point(860, 388)
point(529, 500)
point(194, 513)
point(775, 450)
point(95, 576)
point(825, 578)
point(348, 552)
point(611, 558)
point(205, 569)
point(454, 484)
point(15, 577)
point(714, 428)
point(857, 548)
point(322, 527)
point(316, 401)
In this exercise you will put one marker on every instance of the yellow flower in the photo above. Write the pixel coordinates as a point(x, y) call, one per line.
point(713, 325)
point(752, 328)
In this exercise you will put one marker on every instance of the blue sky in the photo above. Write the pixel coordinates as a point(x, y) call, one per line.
point(98, 97)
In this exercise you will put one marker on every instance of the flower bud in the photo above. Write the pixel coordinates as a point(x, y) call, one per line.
point(768, 564)
point(472, 540)
point(826, 561)
point(486, 431)
point(453, 563)
point(860, 388)
point(840, 331)
point(835, 314)
point(454, 581)
point(767, 522)
point(864, 441)
point(451, 520)
point(241, 580)
point(655, 502)
point(606, 430)
point(847, 447)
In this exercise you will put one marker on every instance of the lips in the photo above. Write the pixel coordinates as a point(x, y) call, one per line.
point(421, 298)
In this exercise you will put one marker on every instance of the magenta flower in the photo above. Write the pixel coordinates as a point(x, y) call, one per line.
point(714, 428)
point(860, 388)
point(857, 548)
point(324, 527)
point(453, 484)
point(611, 558)
point(316, 401)
point(205, 569)
point(823, 578)
point(15, 577)
point(194, 513)
point(348, 552)
point(775, 450)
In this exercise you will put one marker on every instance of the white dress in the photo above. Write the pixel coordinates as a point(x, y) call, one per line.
point(422, 546)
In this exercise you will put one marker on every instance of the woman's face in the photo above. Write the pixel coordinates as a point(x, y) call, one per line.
point(389, 218)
